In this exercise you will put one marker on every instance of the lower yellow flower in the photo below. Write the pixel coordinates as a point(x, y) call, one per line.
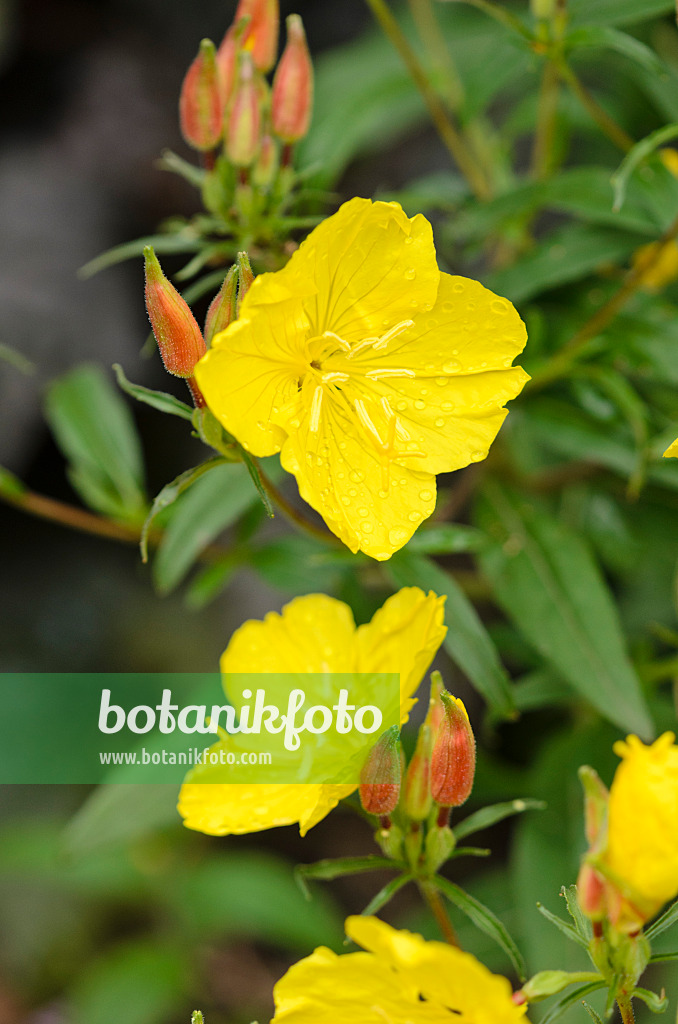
point(642, 841)
point(401, 979)
point(369, 370)
point(672, 450)
point(316, 634)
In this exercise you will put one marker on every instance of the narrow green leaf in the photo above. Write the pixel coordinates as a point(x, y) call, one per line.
point(616, 12)
point(547, 582)
point(118, 813)
point(156, 399)
point(606, 38)
point(385, 894)
point(470, 851)
point(210, 581)
point(446, 539)
point(484, 919)
point(595, 1017)
point(338, 867)
point(10, 485)
point(169, 161)
point(95, 430)
point(467, 642)
point(635, 156)
point(656, 1003)
point(210, 505)
point(667, 920)
point(506, 18)
point(161, 243)
point(16, 359)
point(487, 816)
point(570, 999)
point(253, 470)
point(169, 494)
point(562, 926)
point(581, 923)
point(660, 958)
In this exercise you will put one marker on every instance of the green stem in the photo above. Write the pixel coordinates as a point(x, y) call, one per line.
point(606, 123)
point(73, 518)
point(543, 149)
point(626, 1009)
point(432, 898)
point(447, 131)
point(295, 517)
point(434, 43)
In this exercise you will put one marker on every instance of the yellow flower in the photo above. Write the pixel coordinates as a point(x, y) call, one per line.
point(401, 979)
point(663, 268)
point(642, 843)
point(672, 450)
point(315, 633)
point(369, 370)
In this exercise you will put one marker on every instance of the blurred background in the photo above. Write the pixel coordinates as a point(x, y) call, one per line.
point(109, 910)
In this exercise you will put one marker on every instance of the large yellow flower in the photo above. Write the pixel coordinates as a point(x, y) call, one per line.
point(369, 370)
point(401, 979)
point(672, 450)
point(642, 840)
point(315, 633)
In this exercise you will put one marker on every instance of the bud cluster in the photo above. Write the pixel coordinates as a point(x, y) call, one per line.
point(421, 795)
point(226, 97)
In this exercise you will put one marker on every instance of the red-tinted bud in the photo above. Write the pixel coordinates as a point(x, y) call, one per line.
point(595, 805)
point(417, 799)
point(261, 35)
point(178, 336)
point(591, 893)
point(227, 59)
point(380, 775)
point(223, 307)
point(244, 117)
point(245, 276)
point(453, 761)
point(267, 163)
point(292, 100)
point(201, 110)
point(436, 710)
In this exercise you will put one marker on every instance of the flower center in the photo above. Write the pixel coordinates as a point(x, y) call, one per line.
point(388, 439)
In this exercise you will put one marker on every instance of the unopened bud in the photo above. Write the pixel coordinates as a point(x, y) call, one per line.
point(417, 799)
point(436, 711)
point(261, 35)
point(245, 276)
point(440, 843)
point(227, 59)
point(244, 117)
point(453, 761)
point(543, 10)
point(201, 111)
point(175, 328)
point(380, 775)
point(292, 100)
point(223, 307)
point(591, 893)
point(267, 163)
point(595, 805)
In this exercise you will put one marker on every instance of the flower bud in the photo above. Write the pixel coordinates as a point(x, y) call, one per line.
point(591, 893)
point(380, 775)
point(453, 761)
point(267, 163)
point(227, 58)
point(417, 799)
point(440, 843)
point(244, 118)
point(261, 34)
point(178, 336)
point(201, 111)
point(595, 805)
point(245, 276)
point(292, 100)
point(222, 308)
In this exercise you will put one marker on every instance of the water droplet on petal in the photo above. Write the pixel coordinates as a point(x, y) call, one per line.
point(383, 494)
point(440, 422)
point(364, 512)
point(419, 404)
point(366, 527)
point(397, 536)
point(414, 303)
point(410, 274)
point(352, 492)
point(408, 241)
point(425, 495)
point(458, 287)
point(477, 456)
point(447, 406)
point(401, 406)
point(470, 306)
point(414, 517)
point(345, 500)
point(441, 381)
point(498, 306)
point(357, 476)
point(431, 324)
point(448, 307)
point(452, 366)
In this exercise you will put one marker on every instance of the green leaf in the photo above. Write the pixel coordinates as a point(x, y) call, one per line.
point(169, 494)
point(547, 582)
point(184, 241)
point(487, 816)
point(139, 982)
point(467, 642)
point(16, 359)
point(660, 958)
point(635, 156)
point(568, 254)
point(212, 503)
point(446, 539)
point(595, 1017)
point(570, 999)
point(338, 867)
point(169, 161)
point(658, 1004)
point(581, 924)
point(616, 12)
point(667, 920)
point(386, 894)
point(606, 38)
point(10, 485)
point(484, 919)
point(210, 581)
point(540, 689)
point(156, 399)
point(562, 926)
point(117, 813)
point(298, 564)
point(95, 430)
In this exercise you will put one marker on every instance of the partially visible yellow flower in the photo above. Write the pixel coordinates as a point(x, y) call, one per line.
point(369, 370)
point(315, 633)
point(672, 450)
point(401, 979)
point(642, 839)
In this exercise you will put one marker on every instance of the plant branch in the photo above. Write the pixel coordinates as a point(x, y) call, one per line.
point(451, 137)
point(432, 898)
point(291, 513)
point(547, 109)
point(606, 123)
point(626, 1009)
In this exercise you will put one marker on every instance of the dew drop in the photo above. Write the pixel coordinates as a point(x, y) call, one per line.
point(457, 287)
point(366, 527)
point(448, 307)
point(352, 491)
point(440, 422)
point(408, 241)
point(431, 324)
point(318, 461)
point(499, 307)
point(309, 456)
point(341, 476)
point(425, 495)
point(470, 306)
point(414, 303)
point(419, 404)
point(261, 425)
point(364, 512)
point(357, 476)
point(401, 406)
point(410, 274)
point(383, 494)
point(414, 517)
point(441, 381)
point(345, 500)
point(447, 406)
point(397, 536)
point(427, 306)
point(452, 366)
point(477, 456)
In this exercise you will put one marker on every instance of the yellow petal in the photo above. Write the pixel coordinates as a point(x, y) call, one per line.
point(370, 263)
point(252, 371)
point(220, 810)
point(672, 450)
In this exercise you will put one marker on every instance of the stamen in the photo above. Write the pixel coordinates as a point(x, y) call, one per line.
point(389, 372)
point(364, 418)
point(327, 378)
point(315, 410)
point(340, 341)
point(393, 333)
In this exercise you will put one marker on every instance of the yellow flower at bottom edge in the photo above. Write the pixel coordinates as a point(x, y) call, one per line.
point(315, 633)
point(401, 979)
point(369, 370)
point(672, 450)
point(642, 843)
